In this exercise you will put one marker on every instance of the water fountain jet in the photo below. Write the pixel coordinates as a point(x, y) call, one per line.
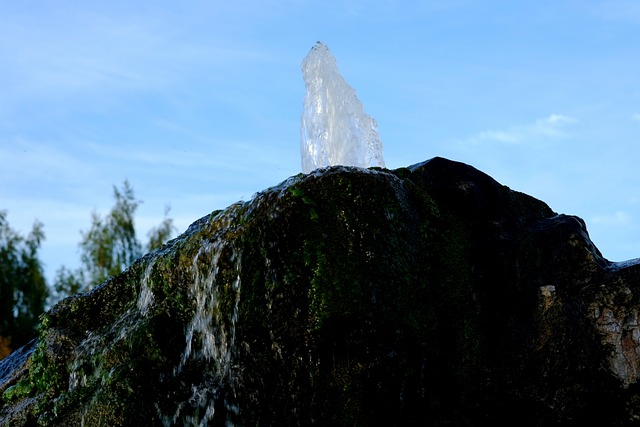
point(335, 129)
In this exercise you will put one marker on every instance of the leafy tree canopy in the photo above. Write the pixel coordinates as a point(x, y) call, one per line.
point(23, 289)
point(107, 248)
point(110, 245)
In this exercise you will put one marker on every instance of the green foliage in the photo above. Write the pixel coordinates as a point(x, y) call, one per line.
point(67, 282)
point(22, 389)
point(110, 245)
point(23, 290)
point(160, 234)
point(107, 248)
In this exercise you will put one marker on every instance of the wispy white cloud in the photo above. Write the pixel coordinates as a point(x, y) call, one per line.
point(615, 219)
point(88, 52)
point(233, 156)
point(26, 160)
point(552, 127)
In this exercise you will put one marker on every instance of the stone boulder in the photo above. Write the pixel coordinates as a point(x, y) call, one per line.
point(428, 295)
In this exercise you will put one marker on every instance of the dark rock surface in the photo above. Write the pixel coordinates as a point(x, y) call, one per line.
point(429, 295)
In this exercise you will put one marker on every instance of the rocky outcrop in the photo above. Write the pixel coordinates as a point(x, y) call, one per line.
point(427, 295)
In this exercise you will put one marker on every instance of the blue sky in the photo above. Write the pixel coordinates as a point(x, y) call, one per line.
point(198, 103)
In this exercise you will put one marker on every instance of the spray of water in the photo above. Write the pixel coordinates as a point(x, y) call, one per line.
point(335, 129)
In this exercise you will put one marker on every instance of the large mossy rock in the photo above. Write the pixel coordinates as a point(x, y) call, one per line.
point(429, 295)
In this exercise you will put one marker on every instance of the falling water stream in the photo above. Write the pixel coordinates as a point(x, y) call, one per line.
point(210, 334)
point(88, 367)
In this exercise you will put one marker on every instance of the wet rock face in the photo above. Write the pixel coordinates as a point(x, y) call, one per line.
point(422, 296)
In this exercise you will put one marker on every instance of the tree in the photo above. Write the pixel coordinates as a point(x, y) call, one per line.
point(66, 283)
point(107, 248)
point(23, 289)
point(159, 235)
point(110, 245)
